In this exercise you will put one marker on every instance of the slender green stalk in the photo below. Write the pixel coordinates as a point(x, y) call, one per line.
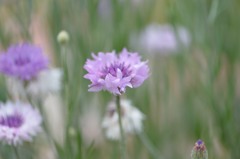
point(122, 141)
point(16, 152)
point(213, 11)
point(46, 128)
point(66, 84)
point(66, 66)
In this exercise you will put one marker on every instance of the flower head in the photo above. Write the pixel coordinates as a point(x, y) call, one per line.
point(18, 123)
point(115, 72)
point(162, 38)
point(23, 61)
point(199, 151)
point(131, 120)
point(46, 82)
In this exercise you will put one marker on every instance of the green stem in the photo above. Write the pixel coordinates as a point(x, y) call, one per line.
point(45, 126)
point(66, 81)
point(122, 142)
point(16, 152)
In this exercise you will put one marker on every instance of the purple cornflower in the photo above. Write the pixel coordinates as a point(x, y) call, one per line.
point(116, 72)
point(18, 123)
point(23, 61)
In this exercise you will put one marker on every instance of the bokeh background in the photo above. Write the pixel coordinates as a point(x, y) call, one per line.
point(193, 91)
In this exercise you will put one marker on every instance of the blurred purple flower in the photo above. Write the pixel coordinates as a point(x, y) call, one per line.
point(162, 38)
point(115, 72)
point(199, 151)
point(23, 61)
point(18, 123)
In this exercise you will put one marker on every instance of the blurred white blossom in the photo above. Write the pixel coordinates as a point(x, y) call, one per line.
point(161, 38)
point(46, 82)
point(131, 120)
point(19, 122)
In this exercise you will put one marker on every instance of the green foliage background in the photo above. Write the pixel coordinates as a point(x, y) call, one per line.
point(190, 95)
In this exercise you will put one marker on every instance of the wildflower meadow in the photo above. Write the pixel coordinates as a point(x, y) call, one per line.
point(119, 79)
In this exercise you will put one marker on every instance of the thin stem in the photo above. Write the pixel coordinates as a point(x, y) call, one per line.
point(213, 11)
point(16, 152)
point(46, 129)
point(65, 66)
point(122, 142)
point(66, 84)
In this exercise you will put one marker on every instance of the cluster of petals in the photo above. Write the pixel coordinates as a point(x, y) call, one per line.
point(19, 122)
point(114, 72)
point(23, 61)
point(27, 72)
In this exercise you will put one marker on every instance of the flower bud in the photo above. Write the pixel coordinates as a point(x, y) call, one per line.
point(63, 37)
point(199, 151)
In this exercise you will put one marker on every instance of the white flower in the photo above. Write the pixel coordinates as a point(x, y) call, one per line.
point(19, 122)
point(47, 81)
point(131, 120)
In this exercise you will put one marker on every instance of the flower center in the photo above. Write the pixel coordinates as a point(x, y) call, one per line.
point(21, 61)
point(112, 69)
point(199, 142)
point(12, 121)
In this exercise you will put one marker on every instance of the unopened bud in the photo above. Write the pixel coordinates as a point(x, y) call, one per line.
point(63, 37)
point(199, 151)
